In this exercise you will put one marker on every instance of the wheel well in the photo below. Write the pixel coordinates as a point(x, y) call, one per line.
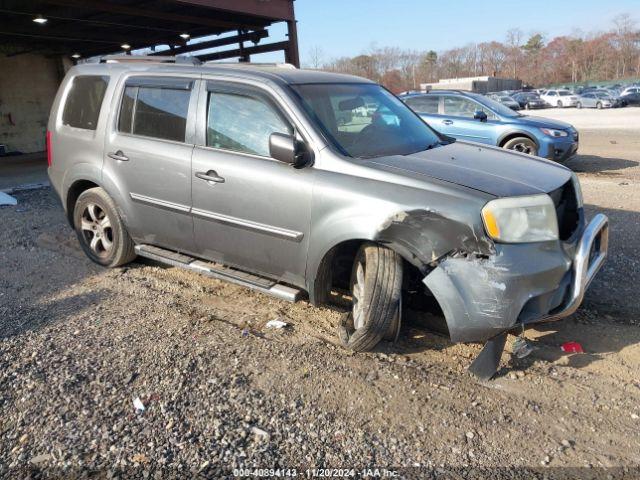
point(334, 276)
point(511, 136)
point(334, 273)
point(74, 192)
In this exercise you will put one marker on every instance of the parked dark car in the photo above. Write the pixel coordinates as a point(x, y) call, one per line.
point(529, 100)
point(630, 99)
point(505, 100)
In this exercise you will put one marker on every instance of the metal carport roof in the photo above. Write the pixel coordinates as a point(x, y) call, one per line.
point(85, 28)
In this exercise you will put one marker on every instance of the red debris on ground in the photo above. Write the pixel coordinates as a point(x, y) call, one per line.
point(572, 347)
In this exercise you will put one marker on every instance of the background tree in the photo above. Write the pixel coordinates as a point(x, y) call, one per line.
point(579, 57)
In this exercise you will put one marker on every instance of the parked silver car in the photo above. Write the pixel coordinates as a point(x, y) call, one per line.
point(266, 177)
point(595, 100)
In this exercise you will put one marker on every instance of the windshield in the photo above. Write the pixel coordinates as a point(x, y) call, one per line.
point(497, 107)
point(602, 95)
point(564, 93)
point(365, 120)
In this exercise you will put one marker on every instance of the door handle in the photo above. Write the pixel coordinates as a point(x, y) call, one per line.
point(447, 122)
point(121, 157)
point(210, 176)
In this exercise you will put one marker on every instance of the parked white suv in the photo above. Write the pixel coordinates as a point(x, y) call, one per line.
point(560, 98)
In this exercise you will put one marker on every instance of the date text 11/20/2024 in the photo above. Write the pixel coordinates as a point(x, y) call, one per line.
point(316, 473)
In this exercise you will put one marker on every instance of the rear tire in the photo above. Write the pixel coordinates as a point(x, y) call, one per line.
point(559, 103)
point(522, 145)
point(376, 285)
point(599, 106)
point(578, 105)
point(100, 230)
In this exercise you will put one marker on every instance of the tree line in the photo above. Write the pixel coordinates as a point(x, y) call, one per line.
point(580, 57)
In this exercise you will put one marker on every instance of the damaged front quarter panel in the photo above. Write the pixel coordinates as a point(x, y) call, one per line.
point(423, 236)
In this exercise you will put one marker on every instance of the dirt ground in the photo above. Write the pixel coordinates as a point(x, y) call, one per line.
point(79, 343)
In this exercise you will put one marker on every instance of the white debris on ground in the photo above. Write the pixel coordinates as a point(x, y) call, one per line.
point(6, 199)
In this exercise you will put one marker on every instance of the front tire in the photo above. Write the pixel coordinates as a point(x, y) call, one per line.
point(376, 285)
point(599, 106)
point(100, 230)
point(522, 145)
point(579, 105)
point(559, 103)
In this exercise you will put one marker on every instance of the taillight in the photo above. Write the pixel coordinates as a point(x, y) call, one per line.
point(49, 152)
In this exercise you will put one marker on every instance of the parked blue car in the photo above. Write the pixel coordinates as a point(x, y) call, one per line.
point(476, 118)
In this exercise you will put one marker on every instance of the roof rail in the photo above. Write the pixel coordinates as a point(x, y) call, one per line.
point(250, 64)
point(184, 60)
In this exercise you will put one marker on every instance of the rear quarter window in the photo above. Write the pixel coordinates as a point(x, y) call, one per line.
point(82, 106)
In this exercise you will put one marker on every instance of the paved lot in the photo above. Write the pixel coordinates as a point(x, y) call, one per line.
point(78, 344)
point(23, 169)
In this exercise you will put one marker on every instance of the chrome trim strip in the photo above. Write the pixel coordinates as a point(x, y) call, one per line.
point(239, 222)
point(160, 203)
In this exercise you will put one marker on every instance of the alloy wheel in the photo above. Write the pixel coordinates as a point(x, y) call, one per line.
point(96, 229)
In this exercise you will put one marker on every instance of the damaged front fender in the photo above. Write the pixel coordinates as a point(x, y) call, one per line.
point(423, 236)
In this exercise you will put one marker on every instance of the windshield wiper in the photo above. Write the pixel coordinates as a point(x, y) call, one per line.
point(439, 143)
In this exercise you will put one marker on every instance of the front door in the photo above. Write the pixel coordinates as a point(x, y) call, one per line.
point(457, 120)
point(148, 154)
point(249, 210)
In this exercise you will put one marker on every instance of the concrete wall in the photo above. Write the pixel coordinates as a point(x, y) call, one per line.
point(474, 84)
point(28, 85)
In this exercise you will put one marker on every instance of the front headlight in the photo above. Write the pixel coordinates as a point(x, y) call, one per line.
point(554, 133)
point(521, 219)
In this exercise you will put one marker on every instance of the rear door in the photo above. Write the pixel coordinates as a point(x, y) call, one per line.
point(249, 210)
point(148, 153)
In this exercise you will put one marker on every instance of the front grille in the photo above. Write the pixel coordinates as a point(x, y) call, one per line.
point(566, 203)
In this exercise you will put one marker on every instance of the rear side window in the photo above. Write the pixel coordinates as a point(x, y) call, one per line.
point(153, 111)
point(426, 104)
point(84, 100)
point(243, 123)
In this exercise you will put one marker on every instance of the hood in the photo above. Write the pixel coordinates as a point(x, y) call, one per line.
point(492, 170)
point(543, 122)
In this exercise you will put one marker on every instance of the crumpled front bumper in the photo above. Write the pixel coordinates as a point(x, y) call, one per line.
point(520, 284)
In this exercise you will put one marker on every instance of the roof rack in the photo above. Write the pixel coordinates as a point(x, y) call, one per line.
point(250, 64)
point(150, 59)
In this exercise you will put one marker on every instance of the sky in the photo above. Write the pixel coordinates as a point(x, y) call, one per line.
point(350, 27)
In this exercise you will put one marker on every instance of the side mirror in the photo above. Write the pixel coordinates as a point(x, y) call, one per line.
point(285, 148)
point(480, 115)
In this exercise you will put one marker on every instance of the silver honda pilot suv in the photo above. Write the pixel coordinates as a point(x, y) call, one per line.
point(297, 182)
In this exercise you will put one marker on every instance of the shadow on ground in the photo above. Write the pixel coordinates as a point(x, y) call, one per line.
point(599, 165)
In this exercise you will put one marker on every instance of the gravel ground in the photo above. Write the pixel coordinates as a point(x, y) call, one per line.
point(78, 344)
